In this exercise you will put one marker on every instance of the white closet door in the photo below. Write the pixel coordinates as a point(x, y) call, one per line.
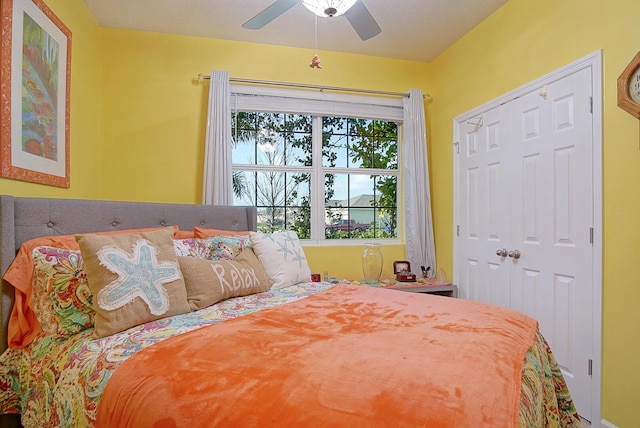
point(484, 209)
point(551, 220)
point(525, 212)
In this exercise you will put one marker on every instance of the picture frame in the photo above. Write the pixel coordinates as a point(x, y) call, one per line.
point(401, 266)
point(35, 81)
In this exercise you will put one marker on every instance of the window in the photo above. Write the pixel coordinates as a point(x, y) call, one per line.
point(272, 168)
point(360, 167)
point(326, 176)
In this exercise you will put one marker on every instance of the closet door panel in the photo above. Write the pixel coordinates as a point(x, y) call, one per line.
point(484, 219)
point(551, 217)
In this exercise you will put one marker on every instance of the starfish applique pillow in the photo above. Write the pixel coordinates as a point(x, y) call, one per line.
point(134, 278)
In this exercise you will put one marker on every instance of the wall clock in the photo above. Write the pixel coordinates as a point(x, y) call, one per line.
point(629, 88)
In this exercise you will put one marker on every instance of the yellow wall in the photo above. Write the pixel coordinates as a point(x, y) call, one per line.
point(154, 114)
point(84, 116)
point(519, 43)
point(138, 120)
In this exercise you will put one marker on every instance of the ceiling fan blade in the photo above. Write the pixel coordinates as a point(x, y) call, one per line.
point(269, 14)
point(362, 21)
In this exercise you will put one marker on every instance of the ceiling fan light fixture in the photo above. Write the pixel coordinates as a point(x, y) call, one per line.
point(327, 8)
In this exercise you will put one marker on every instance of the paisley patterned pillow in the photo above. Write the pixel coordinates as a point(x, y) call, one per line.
point(227, 247)
point(193, 247)
point(62, 299)
point(201, 232)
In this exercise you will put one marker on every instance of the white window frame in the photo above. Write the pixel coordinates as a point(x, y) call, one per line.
point(255, 98)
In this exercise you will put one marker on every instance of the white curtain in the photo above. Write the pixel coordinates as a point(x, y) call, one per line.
point(217, 185)
point(418, 224)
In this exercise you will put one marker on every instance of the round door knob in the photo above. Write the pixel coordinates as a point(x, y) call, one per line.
point(502, 252)
point(515, 254)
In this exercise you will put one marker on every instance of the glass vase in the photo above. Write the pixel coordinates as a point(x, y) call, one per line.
point(372, 262)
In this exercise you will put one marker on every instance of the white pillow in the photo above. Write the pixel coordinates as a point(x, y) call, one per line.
point(282, 257)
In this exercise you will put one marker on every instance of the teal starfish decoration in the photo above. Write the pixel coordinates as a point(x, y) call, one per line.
point(299, 256)
point(283, 249)
point(140, 274)
point(291, 237)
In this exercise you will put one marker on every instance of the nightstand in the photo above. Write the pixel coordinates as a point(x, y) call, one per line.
point(449, 290)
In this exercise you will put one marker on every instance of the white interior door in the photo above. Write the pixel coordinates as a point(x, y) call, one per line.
point(525, 217)
point(551, 222)
point(484, 209)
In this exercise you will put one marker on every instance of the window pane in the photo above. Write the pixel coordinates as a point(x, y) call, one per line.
point(243, 151)
point(271, 121)
point(386, 191)
point(349, 186)
point(298, 123)
point(270, 219)
point(299, 149)
point(298, 206)
point(334, 151)
point(241, 193)
point(271, 139)
point(334, 125)
point(282, 199)
point(359, 143)
point(334, 142)
point(298, 139)
point(350, 212)
point(373, 144)
point(362, 206)
point(243, 130)
point(299, 220)
point(271, 148)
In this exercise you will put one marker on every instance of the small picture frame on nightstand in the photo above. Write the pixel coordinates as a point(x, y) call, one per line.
point(402, 265)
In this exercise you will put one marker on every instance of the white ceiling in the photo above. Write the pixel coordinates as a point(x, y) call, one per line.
point(415, 30)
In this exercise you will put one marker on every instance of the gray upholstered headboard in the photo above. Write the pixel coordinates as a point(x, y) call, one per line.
point(22, 219)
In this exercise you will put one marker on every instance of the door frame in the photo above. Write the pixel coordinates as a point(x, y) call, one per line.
point(594, 63)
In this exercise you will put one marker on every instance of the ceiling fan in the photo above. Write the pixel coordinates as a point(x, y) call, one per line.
point(355, 11)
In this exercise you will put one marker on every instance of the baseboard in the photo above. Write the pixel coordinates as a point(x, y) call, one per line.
point(605, 424)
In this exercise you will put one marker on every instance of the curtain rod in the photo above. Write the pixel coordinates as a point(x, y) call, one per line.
point(318, 87)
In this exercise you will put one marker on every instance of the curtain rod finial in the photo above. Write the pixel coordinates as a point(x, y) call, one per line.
point(198, 80)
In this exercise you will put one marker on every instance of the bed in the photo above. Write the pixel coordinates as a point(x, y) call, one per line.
point(275, 350)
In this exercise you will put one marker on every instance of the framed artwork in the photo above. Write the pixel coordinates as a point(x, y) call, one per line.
point(35, 61)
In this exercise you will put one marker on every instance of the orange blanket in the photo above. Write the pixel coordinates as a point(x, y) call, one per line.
point(350, 356)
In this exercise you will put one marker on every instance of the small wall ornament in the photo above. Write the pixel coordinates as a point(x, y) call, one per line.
point(315, 62)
